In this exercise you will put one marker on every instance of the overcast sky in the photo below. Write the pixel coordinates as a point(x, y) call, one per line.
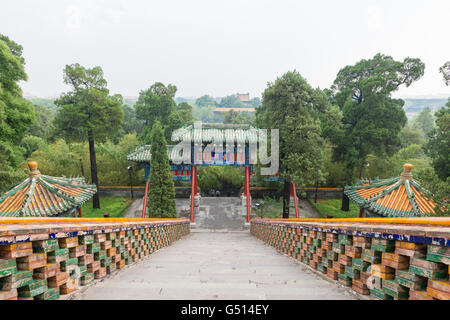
point(223, 47)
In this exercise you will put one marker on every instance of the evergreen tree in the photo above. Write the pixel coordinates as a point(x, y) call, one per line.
point(303, 116)
point(161, 199)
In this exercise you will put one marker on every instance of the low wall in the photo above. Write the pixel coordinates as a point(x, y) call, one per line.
point(256, 192)
point(398, 258)
point(43, 258)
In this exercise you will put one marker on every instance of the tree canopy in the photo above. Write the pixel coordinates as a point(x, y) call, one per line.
point(16, 113)
point(157, 104)
point(293, 107)
point(88, 112)
point(438, 146)
point(445, 70)
point(372, 119)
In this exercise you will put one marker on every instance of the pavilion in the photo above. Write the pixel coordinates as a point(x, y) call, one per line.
point(396, 197)
point(184, 165)
point(42, 196)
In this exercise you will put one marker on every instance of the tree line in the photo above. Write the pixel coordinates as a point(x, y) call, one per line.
point(330, 137)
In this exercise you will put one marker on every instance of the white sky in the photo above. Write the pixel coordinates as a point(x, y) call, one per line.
point(223, 47)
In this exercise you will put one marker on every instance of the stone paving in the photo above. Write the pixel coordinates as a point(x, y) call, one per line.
point(216, 265)
point(218, 260)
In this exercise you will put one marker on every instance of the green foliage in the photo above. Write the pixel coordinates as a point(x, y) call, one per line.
point(204, 114)
point(161, 199)
point(372, 119)
point(410, 136)
point(205, 101)
point(291, 105)
point(16, 113)
point(236, 117)
point(88, 112)
point(43, 126)
point(157, 104)
point(438, 146)
point(223, 178)
point(333, 207)
point(115, 206)
point(130, 122)
point(424, 121)
point(62, 159)
point(31, 144)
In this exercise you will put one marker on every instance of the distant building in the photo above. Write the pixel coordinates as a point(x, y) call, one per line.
point(243, 97)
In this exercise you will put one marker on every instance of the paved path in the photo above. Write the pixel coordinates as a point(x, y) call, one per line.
point(216, 265)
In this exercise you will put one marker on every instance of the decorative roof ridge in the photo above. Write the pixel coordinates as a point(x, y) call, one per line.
point(30, 193)
point(411, 196)
point(377, 184)
point(58, 192)
point(14, 189)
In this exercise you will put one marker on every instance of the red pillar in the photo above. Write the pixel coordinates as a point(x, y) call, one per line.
point(294, 194)
point(361, 211)
point(79, 212)
point(193, 189)
point(247, 191)
point(144, 206)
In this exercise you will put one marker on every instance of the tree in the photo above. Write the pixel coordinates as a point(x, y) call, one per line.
point(16, 113)
point(205, 101)
point(43, 126)
point(236, 117)
point(157, 104)
point(161, 197)
point(88, 112)
point(372, 119)
point(31, 144)
point(438, 146)
point(410, 136)
point(424, 121)
point(445, 70)
point(292, 106)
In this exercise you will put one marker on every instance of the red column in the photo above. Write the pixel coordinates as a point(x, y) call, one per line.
point(294, 194)
point(247, 191)
point(193, 189)
point(361, 211)
point(79, 212)
point(144, 206)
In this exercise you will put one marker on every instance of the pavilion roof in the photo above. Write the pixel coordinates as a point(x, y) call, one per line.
point(143, 154)
point(40, 195)
point(238, 133)
point(396, 197)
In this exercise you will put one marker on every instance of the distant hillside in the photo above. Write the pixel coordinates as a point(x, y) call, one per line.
point(414, 106)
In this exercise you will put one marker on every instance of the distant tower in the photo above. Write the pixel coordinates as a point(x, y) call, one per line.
point(244, 97)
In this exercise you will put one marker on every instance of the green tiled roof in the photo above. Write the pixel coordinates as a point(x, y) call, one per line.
point(41, 195)
point(396, 197)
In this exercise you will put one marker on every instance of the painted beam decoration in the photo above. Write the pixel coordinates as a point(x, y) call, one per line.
point(396, 197)
point(383, 260)
point(41, 195)
point(43, 261)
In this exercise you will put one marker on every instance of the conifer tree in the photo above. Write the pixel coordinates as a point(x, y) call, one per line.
point(161, 199)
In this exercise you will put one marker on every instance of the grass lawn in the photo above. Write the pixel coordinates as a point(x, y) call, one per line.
point(115, 206)
point(272, 209)
point(333, 207)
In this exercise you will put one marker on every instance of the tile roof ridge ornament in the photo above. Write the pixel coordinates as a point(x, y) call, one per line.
point(406, 174)
point(32, 165)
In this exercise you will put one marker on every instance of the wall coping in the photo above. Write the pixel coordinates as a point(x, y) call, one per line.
point(435, 231)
